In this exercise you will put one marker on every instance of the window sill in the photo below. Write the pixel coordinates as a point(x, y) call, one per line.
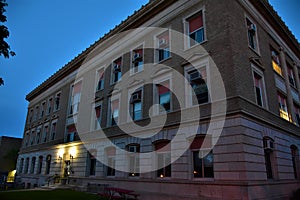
point(134, 73)
point(203, 179)
point(188, 47)
point(256, 51)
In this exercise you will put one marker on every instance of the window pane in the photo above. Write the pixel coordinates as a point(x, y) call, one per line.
point(164, 100)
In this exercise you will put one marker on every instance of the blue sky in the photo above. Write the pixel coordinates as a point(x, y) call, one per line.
point(47, 34)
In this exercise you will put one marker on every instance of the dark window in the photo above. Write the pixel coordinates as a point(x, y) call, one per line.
point(32, 167)
point(163, 159)
point(196, 28)
point(134, 159)
point(295, 160)
point(163, 43)
point(268, 151)
point(137, 60)
point(116, 70)
point(92, 164)
point(110, 169)
point(251, 34)
point(40, 165)
point(100, 84)
point(164, 96)
point(136, 105)
point(48, 164)
point(197, 80)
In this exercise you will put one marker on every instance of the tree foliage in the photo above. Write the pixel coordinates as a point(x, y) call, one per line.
point(4, 33)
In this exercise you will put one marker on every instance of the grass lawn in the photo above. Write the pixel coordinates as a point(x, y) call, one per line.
point(47, 195)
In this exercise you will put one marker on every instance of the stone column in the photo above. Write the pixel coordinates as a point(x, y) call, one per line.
point(290, 102)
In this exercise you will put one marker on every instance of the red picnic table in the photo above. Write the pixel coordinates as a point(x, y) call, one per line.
point(119, 193)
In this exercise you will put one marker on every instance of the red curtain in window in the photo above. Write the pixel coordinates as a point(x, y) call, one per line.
point(77, 87)
point(71, 129)
point(195, 23)
point(118, 61)
point(110, 151)
point(139, 51)
point(163, 87)
point(198, 141)
point(98, 111)
point(161, 146)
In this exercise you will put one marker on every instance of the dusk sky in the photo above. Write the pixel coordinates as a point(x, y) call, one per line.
point(48, 34)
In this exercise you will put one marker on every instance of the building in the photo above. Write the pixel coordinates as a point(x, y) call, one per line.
point(76, 118)
point(9, 148)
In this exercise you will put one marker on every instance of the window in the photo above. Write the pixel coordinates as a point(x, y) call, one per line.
point(276, 62)
point(268, 151)
point(48, 164)
point(36, 113)
point(49, 107)
point(283, 107)
point(137, 60)
point(291, 75)
point(116, 70)
point(27, 138)
point(297, 114)
point(197, 79)
point(295, 160)
point(57, 101)
point(97, 117)
point(114, 112)
point(252, 34)
point(32, 137)
point(134, 159)
point(40, 165)
point(164, 96)
point(75, 99)
point(92, 163)
point(100, 78)
point(32, 167)
point(110, 154)
point(26, 166)
point(136, 105)
point(21, 166)
point(31, 116)
point(163, 159)
point(163, 44)
point(259, 89)
point(42, 110)
point(53, 130)
point(38, 135)
point(202, 159)
point(71, 133)
point(45, 133)
point(195, 29)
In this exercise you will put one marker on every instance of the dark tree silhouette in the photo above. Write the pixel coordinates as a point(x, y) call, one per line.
point(4, 33)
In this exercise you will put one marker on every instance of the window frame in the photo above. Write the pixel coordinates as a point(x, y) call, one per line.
point(56, 108)
point(256, 48)
point(53, 133)
point(98, 78)
point(157, 81)
point(187, 39)
point(132, 66)
point(96, 122)
point(112, 78)
point(72, 99)
point(135, 156)
point(132, 91)
point(260, 73)
point(157, 46)
point(111, 99)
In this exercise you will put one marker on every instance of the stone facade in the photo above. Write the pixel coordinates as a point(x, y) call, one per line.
point(256, 155)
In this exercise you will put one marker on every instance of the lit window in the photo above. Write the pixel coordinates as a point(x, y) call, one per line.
point(195, 29)
point(134, 159)
point(268, 151)
point(100, 77)
point(259, 89)
point(136, 105)
point(163, 159)
point(110, 154)
point(75, 99)
point(164, 96)
point(276, 62)
point(283, 107)
point(98, 112)
point(163, 44)
point(71, 133)
point(137, 60)
point(114, 112)
point(252, 34)
point(116, 70)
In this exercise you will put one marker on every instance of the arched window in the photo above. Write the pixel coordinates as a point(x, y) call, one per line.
point(48, 164)
point(40, 165)
point(32, 167)
point(295, 160)
point(268, 151)
point(163, 158)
